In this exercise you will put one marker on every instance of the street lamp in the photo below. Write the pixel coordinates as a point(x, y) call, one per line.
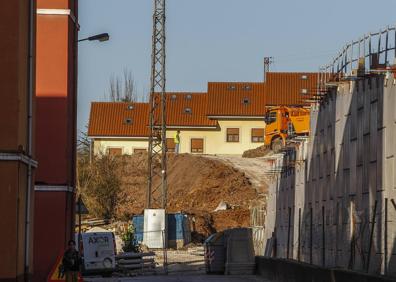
point(80, 205)
point(100, 37)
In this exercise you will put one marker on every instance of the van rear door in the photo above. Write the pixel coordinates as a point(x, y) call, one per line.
point(99, 253)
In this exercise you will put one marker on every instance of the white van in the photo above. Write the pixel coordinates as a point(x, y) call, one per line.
point(98, 251)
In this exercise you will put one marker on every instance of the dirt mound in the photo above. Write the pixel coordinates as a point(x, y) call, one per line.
point(196, 185)
point(256, 153)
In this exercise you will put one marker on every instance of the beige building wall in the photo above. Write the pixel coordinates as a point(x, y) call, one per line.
point(127, 145)
point(215, 140)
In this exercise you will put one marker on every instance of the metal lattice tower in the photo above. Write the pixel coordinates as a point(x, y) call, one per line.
point(157, 174)
point(267, 62)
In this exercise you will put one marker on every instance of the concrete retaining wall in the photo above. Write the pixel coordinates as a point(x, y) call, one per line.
point(321, 207)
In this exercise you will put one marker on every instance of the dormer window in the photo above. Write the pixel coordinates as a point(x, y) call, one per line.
point(231, 87)
point(188, 97)
point(246, 101)
point(187, 110)
point(247, 87)
point(128, 121)
point(130, 107)
point(304, 77)
point(173, 97)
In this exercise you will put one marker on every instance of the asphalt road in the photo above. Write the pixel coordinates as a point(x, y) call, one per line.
point(183, 278)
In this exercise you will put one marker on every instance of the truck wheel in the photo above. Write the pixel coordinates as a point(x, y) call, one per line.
point(276, 145)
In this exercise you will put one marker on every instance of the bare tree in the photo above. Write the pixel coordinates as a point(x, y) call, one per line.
point(129, 86)
point(122, 89)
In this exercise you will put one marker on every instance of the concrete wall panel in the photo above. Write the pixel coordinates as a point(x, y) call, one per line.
point(347, 181)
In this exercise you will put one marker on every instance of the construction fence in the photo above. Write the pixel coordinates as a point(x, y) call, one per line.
point(332, 197)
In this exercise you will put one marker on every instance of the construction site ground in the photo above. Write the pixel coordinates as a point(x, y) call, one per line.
point(253, 169)
point(197, 184)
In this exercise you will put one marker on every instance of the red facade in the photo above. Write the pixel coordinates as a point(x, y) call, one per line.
point(55, 131)
point(17, 25)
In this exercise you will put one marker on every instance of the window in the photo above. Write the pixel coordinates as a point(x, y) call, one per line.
point(114, 151)
point(246, 101)
point(304, 77)
point(270, 117)
point(173, 97)
point(197, 145)
point(130, 107)
point(247, 87)
point(231, 87)
point(187, 110)
point(170, 144)
point(232, 134)
point(136, 150)
point(304, 91)
point(128, 121)
point(188, 97)
point(257, 135)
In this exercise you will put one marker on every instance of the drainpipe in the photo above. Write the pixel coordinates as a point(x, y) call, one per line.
point(29, 137)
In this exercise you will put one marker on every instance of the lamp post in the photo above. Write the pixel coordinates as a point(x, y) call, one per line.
point(99, 37)
point(102, 37)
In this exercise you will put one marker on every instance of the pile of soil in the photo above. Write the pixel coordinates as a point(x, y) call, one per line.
point(196, 186)
point(256, 153)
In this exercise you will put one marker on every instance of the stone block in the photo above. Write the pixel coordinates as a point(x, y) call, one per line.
point(373, 178)
point(389, 140)
point(346, 153)
point(389, 175)
point(374, 89)
point(366, 113)
point(353, 182)
point(353, 118)
point(360, 94)
point(381, 107)
point(359, 179)
point(373, 131)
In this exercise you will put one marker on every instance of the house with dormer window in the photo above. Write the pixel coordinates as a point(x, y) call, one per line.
point(227, 119)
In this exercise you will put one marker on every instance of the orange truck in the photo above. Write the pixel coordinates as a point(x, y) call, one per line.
point(283, 123)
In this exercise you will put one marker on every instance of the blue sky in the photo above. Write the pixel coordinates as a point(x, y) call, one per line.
point(217, 40)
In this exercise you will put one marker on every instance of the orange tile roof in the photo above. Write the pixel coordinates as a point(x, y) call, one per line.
point(188, 109)
point(236, 99)
point(283, 88)
point(185, 109)
point(111, 119)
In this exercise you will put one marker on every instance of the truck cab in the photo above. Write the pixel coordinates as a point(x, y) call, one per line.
point(276, 128)
point(283, 123)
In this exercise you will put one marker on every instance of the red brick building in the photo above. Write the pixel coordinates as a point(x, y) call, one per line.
point(17, 156)
point(56, 96)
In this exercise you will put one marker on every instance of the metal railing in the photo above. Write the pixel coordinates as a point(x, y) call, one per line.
point(380, 44)
point(372, 51)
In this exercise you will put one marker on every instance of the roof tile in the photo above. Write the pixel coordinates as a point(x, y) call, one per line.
point(110, 119)
point(236, 99)
point(291, 88)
